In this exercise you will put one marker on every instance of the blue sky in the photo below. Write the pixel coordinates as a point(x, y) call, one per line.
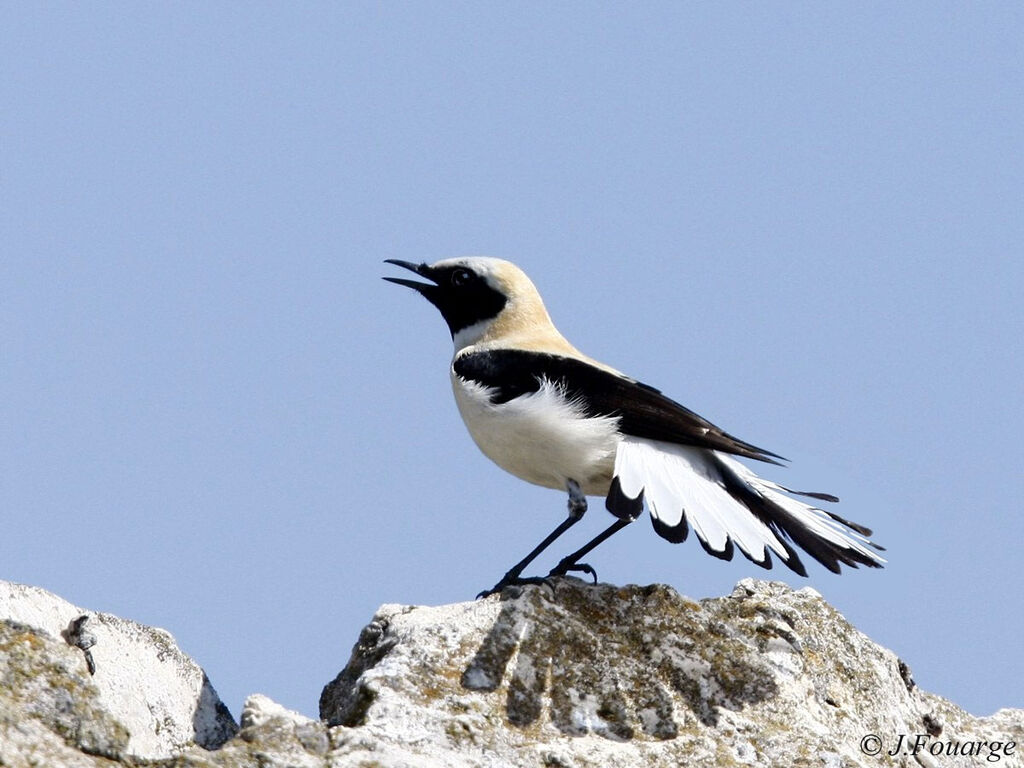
point(801, 220)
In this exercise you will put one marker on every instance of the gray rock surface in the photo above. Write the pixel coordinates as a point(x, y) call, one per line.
point(155, 699)
point(560, 675)
point(641, 676)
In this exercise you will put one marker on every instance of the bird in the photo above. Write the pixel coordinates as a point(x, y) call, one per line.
point(549, 414)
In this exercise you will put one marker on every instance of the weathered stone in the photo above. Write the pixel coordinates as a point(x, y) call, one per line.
point(564, 675)
point(621, 676)
point(160, 697)
point(48, 697)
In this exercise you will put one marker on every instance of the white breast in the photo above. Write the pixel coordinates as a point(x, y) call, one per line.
point(541, 437)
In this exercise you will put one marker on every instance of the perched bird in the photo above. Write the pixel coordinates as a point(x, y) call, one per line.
point(542, 410)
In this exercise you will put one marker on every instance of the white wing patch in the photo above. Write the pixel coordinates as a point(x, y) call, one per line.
point(679, 480)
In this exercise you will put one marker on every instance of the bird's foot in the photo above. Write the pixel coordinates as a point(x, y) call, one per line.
point(556, 573)
point(564, 568)
point(513, 581)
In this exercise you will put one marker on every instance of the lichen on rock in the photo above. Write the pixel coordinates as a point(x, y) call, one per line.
point(44, 679)
point(607, 676)
point(562, 674)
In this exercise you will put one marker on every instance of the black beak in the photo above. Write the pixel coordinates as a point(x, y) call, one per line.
point(427, 289)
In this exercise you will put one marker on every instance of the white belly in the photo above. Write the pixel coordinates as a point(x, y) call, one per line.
point(541, 438)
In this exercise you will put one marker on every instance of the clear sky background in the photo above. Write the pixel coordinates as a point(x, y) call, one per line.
point(805, 221)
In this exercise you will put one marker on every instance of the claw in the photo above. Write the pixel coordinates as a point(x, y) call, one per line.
point(562, 569)
point(585, 568)
point(518, 581)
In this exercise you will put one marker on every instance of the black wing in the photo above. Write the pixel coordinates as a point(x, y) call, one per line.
point(643, 411)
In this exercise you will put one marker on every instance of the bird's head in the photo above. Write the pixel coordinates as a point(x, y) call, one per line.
point(480, 298)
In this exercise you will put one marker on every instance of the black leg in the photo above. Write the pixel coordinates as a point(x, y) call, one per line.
point(577, 508)
point(572, 562)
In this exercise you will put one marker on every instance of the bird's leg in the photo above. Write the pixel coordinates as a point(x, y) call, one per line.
point(577, 508)
point(571, 562)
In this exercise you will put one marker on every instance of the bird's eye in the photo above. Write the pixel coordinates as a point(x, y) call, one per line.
point(461, 277)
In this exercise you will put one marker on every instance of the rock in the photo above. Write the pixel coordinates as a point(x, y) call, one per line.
point(578, 675)
point(146, 698)
point(563, 675)
point(49, 706)
point(272, 737)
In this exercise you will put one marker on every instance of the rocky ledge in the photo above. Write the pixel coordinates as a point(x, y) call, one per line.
point(560, 675)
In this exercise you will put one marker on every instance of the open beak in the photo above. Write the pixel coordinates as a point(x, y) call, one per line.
point(427, 289)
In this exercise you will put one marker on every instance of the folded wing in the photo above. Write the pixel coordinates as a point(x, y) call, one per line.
point(643, 411)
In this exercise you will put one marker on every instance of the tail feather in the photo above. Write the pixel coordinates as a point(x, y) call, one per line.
point(818, 532)
point(725, 503)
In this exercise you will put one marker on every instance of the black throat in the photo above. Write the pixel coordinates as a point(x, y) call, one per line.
point(465, 305)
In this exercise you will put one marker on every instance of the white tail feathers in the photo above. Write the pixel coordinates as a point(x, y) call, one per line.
point(725, 502)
